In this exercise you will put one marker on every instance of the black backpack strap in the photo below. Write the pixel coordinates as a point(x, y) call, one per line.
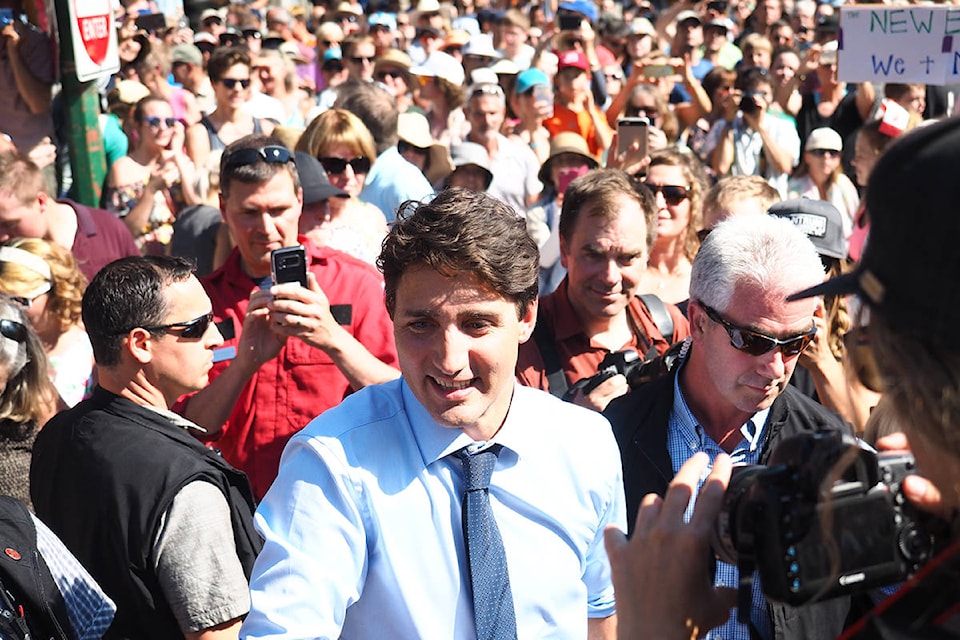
point(661, 317)
point(547, 346)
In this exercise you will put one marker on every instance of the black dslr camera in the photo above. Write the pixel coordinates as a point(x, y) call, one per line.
point(824, 519)
point(748, 103)
point(636, 370)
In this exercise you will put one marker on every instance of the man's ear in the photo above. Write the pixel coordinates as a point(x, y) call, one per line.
point(139, 344)
point(698, 319)
point(528, 321)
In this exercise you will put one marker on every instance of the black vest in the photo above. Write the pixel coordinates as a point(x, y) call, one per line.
point(103, 474)
point(26, 577)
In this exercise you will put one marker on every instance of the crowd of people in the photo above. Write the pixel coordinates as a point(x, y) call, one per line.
point(426, 435)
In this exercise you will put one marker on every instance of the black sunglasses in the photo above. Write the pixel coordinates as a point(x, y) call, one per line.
point(757, 344)
point(252, 33)
point(337, 166)
point(154, 122)
point(231, 83)
point(362, 59)
point(189, 330)
point(271, 155)
point(650, 113)
point(672, 194)
point(403, 146)
point(825, 152)
point(229, 39)
point(13, 330)
point(382, 75)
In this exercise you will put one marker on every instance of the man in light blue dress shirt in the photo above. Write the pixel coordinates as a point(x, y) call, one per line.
point(362, 528)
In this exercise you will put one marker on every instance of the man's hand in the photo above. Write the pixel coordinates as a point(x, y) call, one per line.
point(304, 313)
point(598, 399)
point(662, 575)
point(11, 35)
point(258, 343)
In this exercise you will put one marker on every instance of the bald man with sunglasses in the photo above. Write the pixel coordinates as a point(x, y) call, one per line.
point(162, 522)
point(729, 392)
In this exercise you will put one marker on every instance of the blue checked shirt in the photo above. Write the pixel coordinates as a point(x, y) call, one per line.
point(89, 608)
point(684, 438)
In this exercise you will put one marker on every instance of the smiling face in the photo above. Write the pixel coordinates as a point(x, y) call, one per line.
point(262, 217)
point(457, 342)
point(605, 259)
point(672, 219)
point(153, 128)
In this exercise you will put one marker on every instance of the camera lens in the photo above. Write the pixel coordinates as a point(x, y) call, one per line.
point(732, 514)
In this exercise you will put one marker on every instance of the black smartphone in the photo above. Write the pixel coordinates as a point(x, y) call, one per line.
point(630, 130)
point(151, 22)
point(289, 264)
point(570, 21)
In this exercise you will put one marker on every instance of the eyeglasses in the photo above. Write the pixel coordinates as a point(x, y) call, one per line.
point(337, 166)
point(383, 75)
point(154, 122)
point(757, 344)
point(331, 43)
point(229, 39)
point(362, 59)
point(403, 146)
point(347, 19)
point(270, 155)
point(672, 194)
point(821, 153)
point(210, 21)
point(189, 330)
point(13, 330)
point(231, 83)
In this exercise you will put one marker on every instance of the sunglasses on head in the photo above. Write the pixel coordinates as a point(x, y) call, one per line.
point(821, 153)
point(337, 166)
point(270, 155)
point(231, 83)
point(672, 194)
point(154, 122)
point(189, 330)
point(13, 330)
point(757, 344)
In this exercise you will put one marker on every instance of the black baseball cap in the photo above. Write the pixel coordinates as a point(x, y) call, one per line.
point(313, 179)
point(909, 273)
point(820, 220)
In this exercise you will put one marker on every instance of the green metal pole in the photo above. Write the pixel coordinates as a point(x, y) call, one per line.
point(82, 104)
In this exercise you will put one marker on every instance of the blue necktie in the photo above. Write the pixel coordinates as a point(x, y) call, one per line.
point(492, 599)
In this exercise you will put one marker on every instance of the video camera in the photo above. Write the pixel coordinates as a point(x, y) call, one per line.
point(825, 518)
point(628, 363)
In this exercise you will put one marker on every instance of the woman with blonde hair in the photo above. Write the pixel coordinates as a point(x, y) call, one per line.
point(345, 148)
point(44, 279)
point(27, 399)
point(678, 183)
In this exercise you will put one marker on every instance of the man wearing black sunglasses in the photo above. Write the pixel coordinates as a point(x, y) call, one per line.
point(162, 522)
point(729, 393)
point(290, 352)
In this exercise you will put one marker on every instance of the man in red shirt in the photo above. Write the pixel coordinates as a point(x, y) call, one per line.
point(607, 228)
point(290, 352)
